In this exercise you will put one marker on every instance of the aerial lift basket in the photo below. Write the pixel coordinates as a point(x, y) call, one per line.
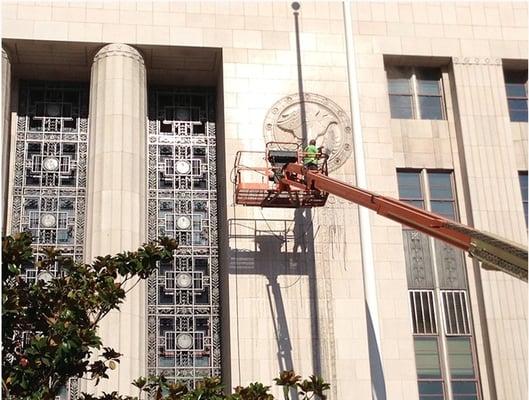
point(259, 178)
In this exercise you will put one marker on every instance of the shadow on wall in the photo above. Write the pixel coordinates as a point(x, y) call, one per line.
point(274, 247)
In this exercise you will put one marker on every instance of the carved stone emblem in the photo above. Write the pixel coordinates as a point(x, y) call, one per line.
point(326, 122)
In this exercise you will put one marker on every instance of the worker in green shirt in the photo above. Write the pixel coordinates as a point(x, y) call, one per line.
point(311, 155)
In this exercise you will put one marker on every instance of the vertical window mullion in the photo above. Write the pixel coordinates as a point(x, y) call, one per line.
point(422, 312)
point(415, 95)
point(457, 300)
point(464, 312)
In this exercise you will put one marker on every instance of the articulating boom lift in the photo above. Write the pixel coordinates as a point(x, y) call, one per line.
point(286, 182)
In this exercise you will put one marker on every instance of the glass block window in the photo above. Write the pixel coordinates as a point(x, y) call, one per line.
point(415, 92)
point(183, 295)
point(429, 373)
point(516, 89)
point(462, 372)
point(522, 176)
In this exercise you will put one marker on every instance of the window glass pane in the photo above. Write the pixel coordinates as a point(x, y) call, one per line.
point(415, 203)
point(460, 358)
point(523, 185)
point(430, 107)
point(427, 358)
point(409, 185)
point(400, 107)
point(516, 90)
point(440, 185)
point(518, 116)
point(427, 87)
point(464, 387)
point(443, 208)
point(399, 86)
point(518, 105)
point(430, 388)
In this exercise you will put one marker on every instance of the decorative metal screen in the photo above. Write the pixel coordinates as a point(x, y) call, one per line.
point(455, 310)
point(418, 260)
point(423, 312)
point(49, 186)
point(450, 266)
point(183, 295)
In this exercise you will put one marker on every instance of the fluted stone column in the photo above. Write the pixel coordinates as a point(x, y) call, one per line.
point(6, 132)
point(117, 193)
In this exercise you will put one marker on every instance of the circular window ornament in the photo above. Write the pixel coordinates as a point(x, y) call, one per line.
point(54, 110)
point(45, 276)
point(183, 222)
point(184, 341)
point(48, 220)
point(50, 164)
point(326, 122)
point(183, 167)
point(183, 280)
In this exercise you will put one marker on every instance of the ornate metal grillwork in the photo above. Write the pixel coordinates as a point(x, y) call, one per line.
point(418, 259)
point(455, 312)
point(183, 295)
point(423, 312)
point(49, 187)
point(50, 166)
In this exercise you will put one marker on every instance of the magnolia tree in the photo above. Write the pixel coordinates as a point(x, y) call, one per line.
point(49, 327)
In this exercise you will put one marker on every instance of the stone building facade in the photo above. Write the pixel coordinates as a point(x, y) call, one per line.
point(121, 121)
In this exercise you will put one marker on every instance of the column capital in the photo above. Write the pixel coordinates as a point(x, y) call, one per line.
point(118, 49)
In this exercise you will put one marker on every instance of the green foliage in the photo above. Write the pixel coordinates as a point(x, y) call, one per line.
point(254, 391)
point(313, 388)
point(49, 329)
point(212, 389)
point(288, 380)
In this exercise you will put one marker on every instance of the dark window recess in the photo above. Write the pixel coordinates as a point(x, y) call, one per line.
point(457, 321)
point(516, 88)
point(415, 93)
point(423, 311)
point(522, 175)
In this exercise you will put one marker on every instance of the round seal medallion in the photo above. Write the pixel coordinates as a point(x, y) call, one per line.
point(326, 122)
